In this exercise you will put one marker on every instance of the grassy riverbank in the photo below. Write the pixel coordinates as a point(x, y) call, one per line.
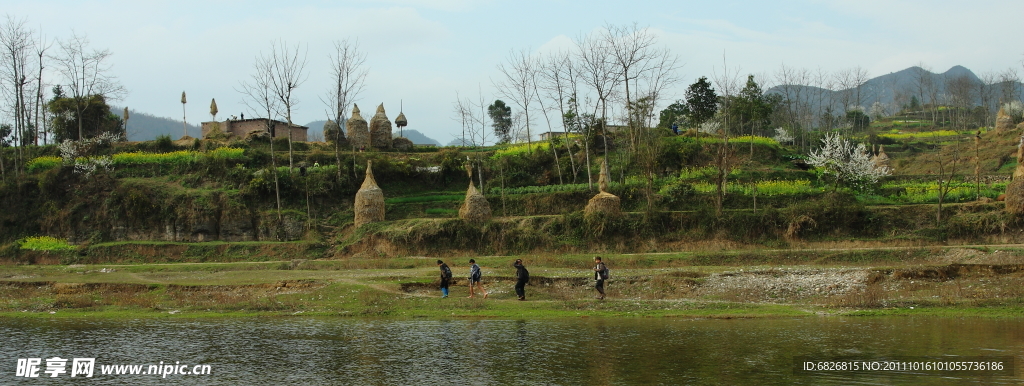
point(941, 281)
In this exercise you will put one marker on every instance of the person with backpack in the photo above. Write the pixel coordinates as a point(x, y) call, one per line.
point(522, 277)
point(600, 275)
point(446, 277)
point(474, 278)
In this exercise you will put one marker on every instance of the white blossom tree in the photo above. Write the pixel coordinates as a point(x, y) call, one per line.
point(846, 161)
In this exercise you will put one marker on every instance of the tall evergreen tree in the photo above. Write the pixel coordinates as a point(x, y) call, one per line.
point(702, 101)
point(501, 120)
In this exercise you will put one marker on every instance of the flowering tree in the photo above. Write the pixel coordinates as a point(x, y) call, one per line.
point(846, 162)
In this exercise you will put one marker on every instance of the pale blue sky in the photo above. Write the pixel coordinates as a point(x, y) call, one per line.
point(423, 52)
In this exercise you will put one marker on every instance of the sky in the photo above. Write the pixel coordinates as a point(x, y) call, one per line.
point(421, 53)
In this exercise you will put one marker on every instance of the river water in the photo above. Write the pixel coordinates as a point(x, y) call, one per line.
point(619, 351)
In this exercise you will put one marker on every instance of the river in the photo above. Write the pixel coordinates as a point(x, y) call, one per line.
point(615, 351)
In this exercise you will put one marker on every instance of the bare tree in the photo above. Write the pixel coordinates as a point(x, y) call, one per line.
point(259, 97)
point(287, 72)
point(479, 122)
point(1008, 86)
point(461, 111)
point(631, 49)
point(791, 81)
point(555, 74)
point(544, 111)
point(474, 127)
point(517, 84)
point(40, 50)
point(727, 83)
point(946, 174)
point(16, 42)
point(860, 78)
point(987, 96)
point(659, 75)
point(599, 71)
point(961, 91)
point(86, 73)
point(348, 76)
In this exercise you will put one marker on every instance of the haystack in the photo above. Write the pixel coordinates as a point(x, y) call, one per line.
point(603, 202)
point(401, 121)
point(1015, 190)
point(475, 209)
point(380, 129)
point(369, 205)
point(880, 160)
point(358, 131)
point(1004, 122)
point(402, 143)
point(333, 133)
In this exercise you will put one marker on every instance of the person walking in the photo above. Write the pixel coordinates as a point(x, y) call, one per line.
point(600, 275)
point(474, 279)
point(522, 277)
point(446, 277)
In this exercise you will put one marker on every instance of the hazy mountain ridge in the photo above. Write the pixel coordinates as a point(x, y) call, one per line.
point(892, 91)
point(146, 127)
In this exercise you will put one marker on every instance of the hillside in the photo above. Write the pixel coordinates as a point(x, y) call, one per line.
point(146, 127)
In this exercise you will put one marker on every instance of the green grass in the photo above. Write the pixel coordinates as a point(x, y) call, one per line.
point(427, 198)
point(441, 211)
point(373, 287)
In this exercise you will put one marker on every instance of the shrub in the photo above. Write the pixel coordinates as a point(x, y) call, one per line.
point(45, 243)
point(45, 163)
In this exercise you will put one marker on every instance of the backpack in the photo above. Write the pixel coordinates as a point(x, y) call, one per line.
point(475, 276)
point(446, 272)
point(603, 272)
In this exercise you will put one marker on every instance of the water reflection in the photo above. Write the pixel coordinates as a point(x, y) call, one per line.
point(274, 351)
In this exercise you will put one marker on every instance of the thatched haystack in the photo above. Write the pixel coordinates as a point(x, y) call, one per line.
point(1014, 195)
point(1004, 122)
point(881, 159)
point(475, 209)
point(603, 202)
point(333, 133)
point(401, 121)
point(380, 129)
point(369, 205)
point(402, 143)
point(358, 131)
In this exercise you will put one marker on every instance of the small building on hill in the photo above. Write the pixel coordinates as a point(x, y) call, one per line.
point(240, 128)
point(548, 135)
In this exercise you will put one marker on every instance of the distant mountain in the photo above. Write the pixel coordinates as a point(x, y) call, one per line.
point(316, 130)
point(146, 127)
point(892, 91)
point(460, 142)
point(418, 138)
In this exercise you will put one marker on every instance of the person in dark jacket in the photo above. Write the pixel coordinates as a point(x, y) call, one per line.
point(600, 275)
point(522, 277)
point(475, 277)
point(446, 277)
